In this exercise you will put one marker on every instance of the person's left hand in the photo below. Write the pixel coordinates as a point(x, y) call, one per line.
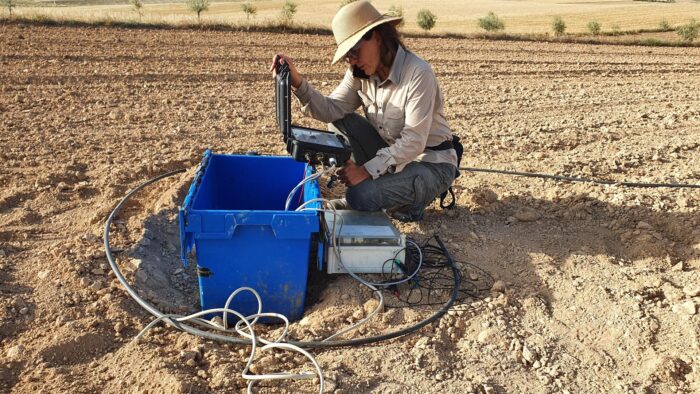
point(352, 174)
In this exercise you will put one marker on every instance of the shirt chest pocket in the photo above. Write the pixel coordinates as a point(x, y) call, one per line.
point(393, 121)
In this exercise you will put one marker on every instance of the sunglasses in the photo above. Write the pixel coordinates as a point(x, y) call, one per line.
point(354, 52)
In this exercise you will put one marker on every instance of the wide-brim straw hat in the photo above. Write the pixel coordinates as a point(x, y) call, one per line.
point(352, 22)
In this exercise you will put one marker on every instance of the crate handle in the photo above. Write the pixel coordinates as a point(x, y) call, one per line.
point(292, 225)
point(186, 237)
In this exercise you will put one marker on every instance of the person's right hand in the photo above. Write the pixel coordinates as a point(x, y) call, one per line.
point(294, 76)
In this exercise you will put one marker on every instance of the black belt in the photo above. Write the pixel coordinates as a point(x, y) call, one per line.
point(445, 145)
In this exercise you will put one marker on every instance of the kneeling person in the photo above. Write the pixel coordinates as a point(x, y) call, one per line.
point(402, 153)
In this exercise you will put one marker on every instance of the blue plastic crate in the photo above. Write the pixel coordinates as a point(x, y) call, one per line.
point(234, 218)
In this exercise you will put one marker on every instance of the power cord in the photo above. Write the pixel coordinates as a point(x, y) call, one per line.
point(250, 334)
point(576, 179)
point(309, 178)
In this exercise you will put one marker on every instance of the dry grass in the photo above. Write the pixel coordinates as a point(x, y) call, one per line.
point(454, 16)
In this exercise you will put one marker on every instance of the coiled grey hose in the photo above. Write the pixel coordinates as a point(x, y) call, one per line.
point(218, 337)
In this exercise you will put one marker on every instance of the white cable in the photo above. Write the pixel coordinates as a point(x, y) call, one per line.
point(303, 206)
point(303, 181)
point(230, 298)
point(378, 293)
point(277, 344)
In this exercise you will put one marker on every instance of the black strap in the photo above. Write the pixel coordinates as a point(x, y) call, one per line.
point(443, 196)
point(444, 145)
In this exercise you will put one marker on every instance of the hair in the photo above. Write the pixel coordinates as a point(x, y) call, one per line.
point(390, 41)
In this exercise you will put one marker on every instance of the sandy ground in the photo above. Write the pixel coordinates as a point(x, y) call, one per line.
point(600, 285)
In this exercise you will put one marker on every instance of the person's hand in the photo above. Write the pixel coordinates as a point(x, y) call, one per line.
point(352, 174)
point(294, 76)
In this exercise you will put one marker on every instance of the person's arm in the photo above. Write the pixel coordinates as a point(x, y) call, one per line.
point(344, 99)
point(422, 95)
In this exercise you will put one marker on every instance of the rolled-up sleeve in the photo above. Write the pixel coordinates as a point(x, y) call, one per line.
point(342, 101)
point(420, 105)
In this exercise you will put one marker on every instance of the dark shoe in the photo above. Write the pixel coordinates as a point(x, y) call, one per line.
point(406, 214)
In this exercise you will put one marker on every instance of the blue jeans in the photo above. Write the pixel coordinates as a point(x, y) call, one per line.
point(405, 193)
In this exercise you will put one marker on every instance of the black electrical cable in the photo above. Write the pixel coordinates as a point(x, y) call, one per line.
point(312, 344)
point(427, 288)
point(575, 179)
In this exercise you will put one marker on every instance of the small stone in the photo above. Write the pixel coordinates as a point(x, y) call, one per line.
point(43, 274)
point(691, 291)
point(15, 352)
point(528, 354)
point(499, 287)
point(97, 285)
point(188, 355)
point(487, 335)
point(527, 215)
point(98, 271)
point(331, 385)
point(677, 267)
point(218, 320)
point(3, 253)
point(536, 364)
point(61, 187)
point(119, 327)
point(686, 308)
point(490, 196)
point(24, 311)
point(135, 263)
point(644, 226)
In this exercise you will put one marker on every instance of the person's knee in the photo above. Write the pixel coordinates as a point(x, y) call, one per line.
point(348, 125)
point(362, 197)
point(336, 126)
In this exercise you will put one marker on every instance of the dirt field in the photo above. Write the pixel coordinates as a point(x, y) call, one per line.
point(453, 16)
point(600, 285)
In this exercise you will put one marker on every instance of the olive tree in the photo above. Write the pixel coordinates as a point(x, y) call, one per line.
point(558, 26)
point(491, 22)
point(137, 5)
point(249, 10)
point(689, 31)
point(9, 4)
point(198, 6)
point(288, 10)
point(426, 19)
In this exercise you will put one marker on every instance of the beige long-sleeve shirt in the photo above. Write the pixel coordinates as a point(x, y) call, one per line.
point(406, 109)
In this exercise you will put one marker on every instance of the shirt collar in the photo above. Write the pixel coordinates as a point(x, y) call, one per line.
point(396, 67)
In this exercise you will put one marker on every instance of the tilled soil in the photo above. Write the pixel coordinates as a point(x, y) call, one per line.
point(598, 286)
